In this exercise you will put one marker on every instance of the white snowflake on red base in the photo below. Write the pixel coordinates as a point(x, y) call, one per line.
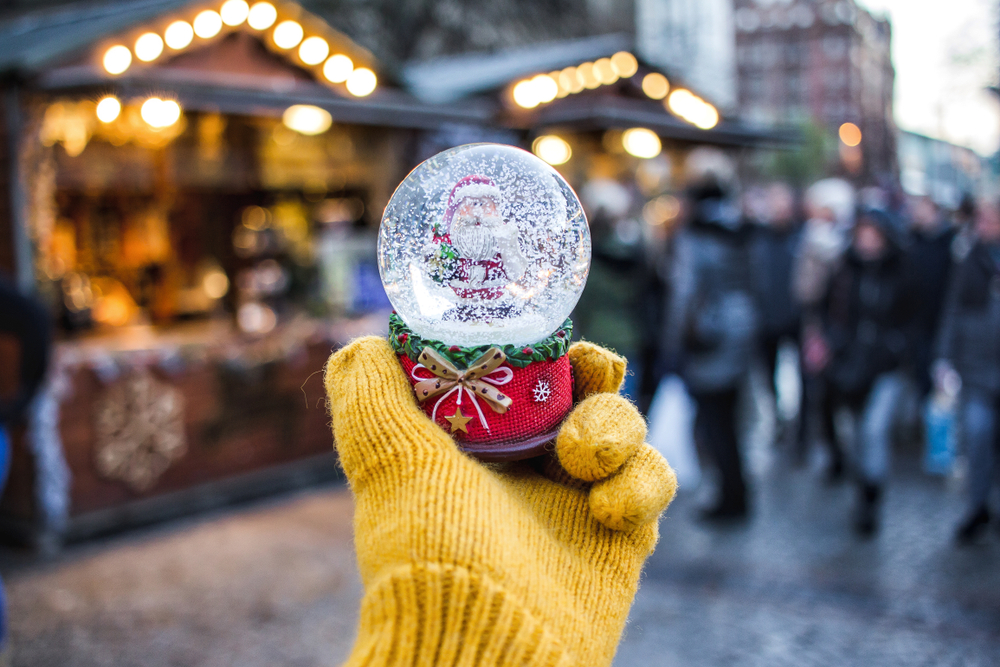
point(542, 391)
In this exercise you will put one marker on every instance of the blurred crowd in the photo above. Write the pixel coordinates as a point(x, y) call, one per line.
point(884, 299)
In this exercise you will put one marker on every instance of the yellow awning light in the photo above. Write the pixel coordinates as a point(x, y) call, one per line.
point(288, 34)
point(158, 113)
point(148, 47)
point(693, 109)
point(207, 24)
point(314, 50)
point(543, 88)
point(234, 12)
point(605, 71)
point(642, 143)
point(117, 59)
point(552, 149)
point(262, 16)
point(307, 119)
point(850, 134)
point(361, 82)
point(337, 68)
point(625, 64)
point(655, 85)
point(178, 35)
point(108, 109)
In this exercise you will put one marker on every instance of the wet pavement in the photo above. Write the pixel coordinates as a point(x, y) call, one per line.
point(274, 583)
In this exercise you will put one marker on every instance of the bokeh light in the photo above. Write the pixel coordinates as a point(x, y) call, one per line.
point(178, 35)
point(642, 143)
point(552, 149)
point(262, 16)
point(148, 47)
point(117, 59)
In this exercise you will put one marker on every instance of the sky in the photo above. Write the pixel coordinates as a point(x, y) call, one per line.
point(945, 54)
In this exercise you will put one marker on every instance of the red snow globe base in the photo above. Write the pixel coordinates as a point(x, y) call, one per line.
point(499, 402)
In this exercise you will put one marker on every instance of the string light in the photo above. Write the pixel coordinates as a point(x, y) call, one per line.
point(148, 47)
point(655, 85)
point(307, 119)
point(178, 35)
point(361, 82)
point(234, 12)
point(642, 143)
point(693, 109)
point(108, 109)
point(159, 113)
point(262, 16)
point(625, 64)
point(552, 149)
point(585, 73)
point(338, 68)
point(314, 50)
point(207, 24)
point(605, 72)
point(288, 34)
point(117, 59)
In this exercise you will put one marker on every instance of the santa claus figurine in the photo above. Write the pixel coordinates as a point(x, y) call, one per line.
point(478, 253)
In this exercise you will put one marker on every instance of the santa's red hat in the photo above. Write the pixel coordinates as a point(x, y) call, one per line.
point(474, 186)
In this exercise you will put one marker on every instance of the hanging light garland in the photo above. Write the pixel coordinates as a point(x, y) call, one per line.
point(314, 51)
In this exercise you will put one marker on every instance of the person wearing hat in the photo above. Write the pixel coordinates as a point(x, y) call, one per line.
point(865, 314)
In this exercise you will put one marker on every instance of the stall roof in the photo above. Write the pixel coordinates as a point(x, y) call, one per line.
point(35, 40)
point(622, 105)
point(454, 77)
point(53, 50)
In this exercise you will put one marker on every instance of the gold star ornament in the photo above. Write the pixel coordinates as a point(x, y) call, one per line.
point(458, 421)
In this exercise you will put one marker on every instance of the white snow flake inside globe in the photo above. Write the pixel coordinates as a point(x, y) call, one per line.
point(484, 244)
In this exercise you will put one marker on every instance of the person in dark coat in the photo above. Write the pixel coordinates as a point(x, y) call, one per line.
point(773, 250)
point(929, 251)
point(865, 317)
point(712, 324)
point(969, 345)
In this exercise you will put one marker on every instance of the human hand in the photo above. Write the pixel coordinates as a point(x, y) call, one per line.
point(530, 563)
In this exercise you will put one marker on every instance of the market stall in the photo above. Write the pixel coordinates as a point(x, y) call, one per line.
point(195, 191)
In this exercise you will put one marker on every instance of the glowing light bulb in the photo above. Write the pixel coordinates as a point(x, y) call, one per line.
point(207, 24)
point(545, 87)
point(108, 109)
point(567, 80)
point(552, 149)
point(640, 142)
point(117, 59)
point(625, 64)
point(307, 119)
point(288, 34)
point(178, 35)
point(361, 82)
point(605, 71)
point(234, 12)
point(148, 47)
point(585, 73)
point(525, 95)
point(337, 68)
point(159, 113)
point(314, 50)
point(655, 85)
point(262, 16)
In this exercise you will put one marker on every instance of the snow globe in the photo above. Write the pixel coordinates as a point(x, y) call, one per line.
point(484, 251)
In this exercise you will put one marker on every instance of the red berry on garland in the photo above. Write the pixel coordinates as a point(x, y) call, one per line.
point(561, 334)
point(402, 337)
point(527, 351)
point(454, 348)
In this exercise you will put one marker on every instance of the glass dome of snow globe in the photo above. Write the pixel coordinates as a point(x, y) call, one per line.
point(484, 244)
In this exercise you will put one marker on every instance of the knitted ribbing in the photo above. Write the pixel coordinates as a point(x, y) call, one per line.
point(468, 564)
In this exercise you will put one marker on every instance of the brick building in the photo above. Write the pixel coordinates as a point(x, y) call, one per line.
point(822, 60)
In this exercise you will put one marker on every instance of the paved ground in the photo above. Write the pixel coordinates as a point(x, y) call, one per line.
point(274, 584)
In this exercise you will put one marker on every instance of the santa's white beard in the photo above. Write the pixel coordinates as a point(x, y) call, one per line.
point(475, 242)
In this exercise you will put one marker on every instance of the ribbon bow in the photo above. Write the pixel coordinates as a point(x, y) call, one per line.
point(477, 381)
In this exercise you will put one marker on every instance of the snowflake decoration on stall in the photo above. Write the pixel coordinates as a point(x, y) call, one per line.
point(140, 430)
point(542, 391)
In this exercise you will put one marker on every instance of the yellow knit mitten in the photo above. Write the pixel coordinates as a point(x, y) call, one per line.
point(465, 563)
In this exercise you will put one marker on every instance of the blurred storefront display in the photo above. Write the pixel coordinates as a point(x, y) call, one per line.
point(195, 194)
